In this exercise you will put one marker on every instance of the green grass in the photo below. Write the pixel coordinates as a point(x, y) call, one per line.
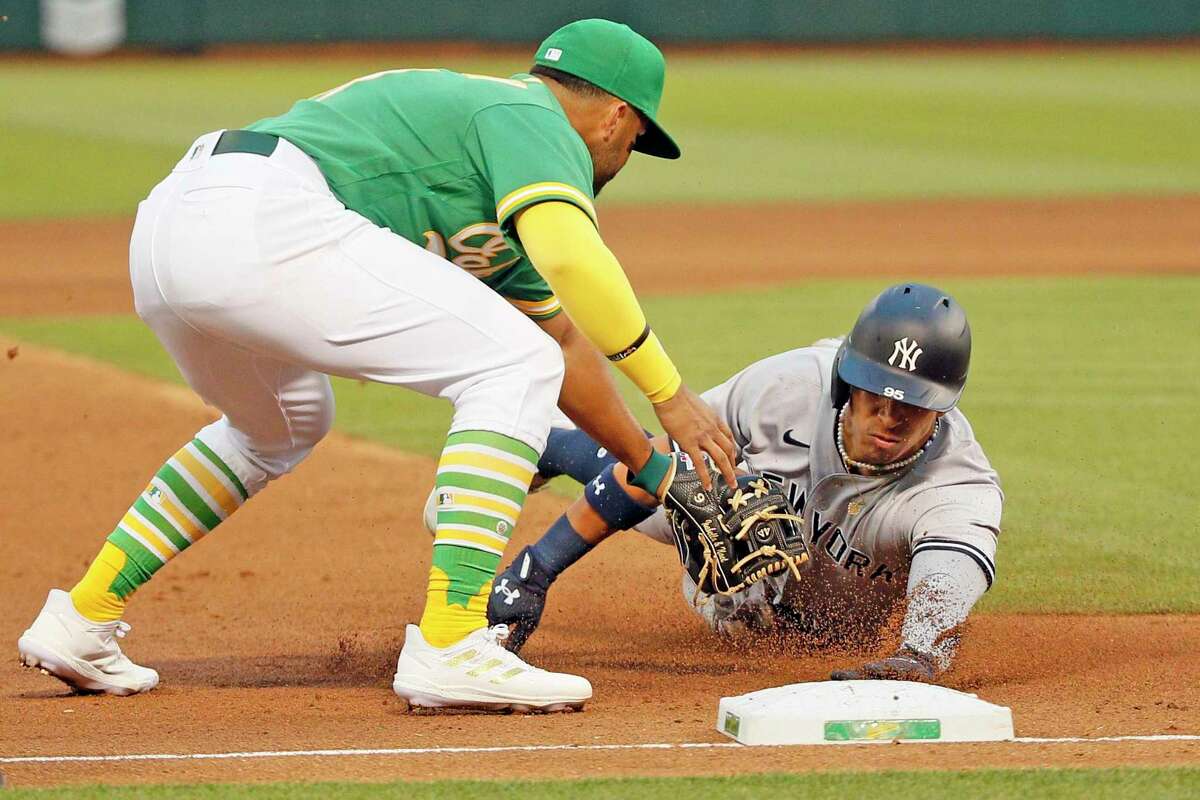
point(92, 138)
point(1046, 784)
point(1083, 393)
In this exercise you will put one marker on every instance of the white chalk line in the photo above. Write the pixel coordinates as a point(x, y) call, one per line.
point(530, 748)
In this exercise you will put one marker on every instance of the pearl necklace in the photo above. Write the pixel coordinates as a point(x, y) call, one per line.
point(880, 469)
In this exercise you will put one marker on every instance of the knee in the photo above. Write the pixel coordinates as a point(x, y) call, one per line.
point(516, 393)
point(531, 369)
point(544, 363)
point(540, 370)
point(312, 418)
point(276, 460)
point(260, 454)
point(309, 421)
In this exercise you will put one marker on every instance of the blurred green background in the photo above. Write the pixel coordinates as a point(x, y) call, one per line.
point(1083, 390)
point(92, 139)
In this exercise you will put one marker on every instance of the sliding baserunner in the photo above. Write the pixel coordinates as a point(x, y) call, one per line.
point(900, 507)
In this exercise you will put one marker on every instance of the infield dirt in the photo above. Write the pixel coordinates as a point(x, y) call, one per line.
point(280, 630)
point(79, 266)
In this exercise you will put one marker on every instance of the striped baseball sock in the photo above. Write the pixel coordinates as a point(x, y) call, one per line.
point(192, 493)
point(482, 479)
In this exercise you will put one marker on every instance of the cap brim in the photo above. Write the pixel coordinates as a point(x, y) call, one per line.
point(865, 374)
point(655, 141)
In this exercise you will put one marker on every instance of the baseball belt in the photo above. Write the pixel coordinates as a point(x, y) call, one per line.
point(253, 142)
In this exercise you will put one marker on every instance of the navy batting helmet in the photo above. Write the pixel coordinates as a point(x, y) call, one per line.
point(911, 343)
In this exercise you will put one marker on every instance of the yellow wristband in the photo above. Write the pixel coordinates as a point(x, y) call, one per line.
point(647, 364)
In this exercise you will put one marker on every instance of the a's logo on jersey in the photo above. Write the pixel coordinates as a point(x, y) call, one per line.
point(477, 246)
point(907, 353)
point(553, 54)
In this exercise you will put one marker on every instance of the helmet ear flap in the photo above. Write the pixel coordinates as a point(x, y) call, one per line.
point(839, 390)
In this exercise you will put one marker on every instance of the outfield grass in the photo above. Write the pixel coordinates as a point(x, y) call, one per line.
point(1046, 784)
point(1079, 396)
point(92, 138)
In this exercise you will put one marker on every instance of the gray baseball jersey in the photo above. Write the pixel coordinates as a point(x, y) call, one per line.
point(863, 532)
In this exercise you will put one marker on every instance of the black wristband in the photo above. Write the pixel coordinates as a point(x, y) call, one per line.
point(628, 351)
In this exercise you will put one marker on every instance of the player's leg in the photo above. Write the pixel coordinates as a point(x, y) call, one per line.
point(445, 333)
point(275, 413)
point(608, 504)
point(194, 491)
point(570, 451)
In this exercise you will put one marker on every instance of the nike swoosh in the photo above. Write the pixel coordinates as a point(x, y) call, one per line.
point(787, 439)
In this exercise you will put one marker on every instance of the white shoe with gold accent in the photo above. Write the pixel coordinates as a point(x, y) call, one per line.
point(478, 673)
point(81, 653)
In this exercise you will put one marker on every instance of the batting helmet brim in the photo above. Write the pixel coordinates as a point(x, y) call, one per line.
point(886, 381)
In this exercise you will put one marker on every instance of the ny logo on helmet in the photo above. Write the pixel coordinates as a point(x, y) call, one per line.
point(907, 353)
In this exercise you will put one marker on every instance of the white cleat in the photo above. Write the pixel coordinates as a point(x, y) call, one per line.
point(81, 653)
point(478, 673)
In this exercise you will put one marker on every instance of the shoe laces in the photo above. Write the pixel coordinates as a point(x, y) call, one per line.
point(493, 638)
point(108, 631)
point(110, 657)
point(497, 634)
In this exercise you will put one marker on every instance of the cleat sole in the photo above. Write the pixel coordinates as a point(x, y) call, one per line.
point(419, 702)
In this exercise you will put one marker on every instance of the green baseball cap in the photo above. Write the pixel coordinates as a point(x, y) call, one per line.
point(620, 61)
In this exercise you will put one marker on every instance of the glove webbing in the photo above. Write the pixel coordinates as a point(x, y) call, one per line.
point(793, 562)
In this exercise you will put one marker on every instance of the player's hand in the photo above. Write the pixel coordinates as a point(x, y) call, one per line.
point(697, 430)
point(906, 665)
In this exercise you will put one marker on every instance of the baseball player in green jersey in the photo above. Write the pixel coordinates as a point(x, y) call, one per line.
point(420, 228)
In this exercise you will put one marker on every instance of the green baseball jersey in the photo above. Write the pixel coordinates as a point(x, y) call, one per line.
point(446, 160)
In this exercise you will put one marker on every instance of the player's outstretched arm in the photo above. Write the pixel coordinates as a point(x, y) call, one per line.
point(567, 251)
point(943, 586)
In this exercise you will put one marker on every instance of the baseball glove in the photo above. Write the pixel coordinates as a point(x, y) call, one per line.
point(733, 536)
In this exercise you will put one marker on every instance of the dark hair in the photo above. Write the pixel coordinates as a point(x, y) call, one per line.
point(568, 81)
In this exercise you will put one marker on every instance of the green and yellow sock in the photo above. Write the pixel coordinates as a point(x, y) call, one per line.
point(192, 494)
point(482, 480)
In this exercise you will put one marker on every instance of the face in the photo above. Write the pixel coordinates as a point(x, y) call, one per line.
point(612, 141)
point(879, 430)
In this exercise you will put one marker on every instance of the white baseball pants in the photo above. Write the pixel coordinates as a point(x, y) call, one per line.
point(260, 283)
